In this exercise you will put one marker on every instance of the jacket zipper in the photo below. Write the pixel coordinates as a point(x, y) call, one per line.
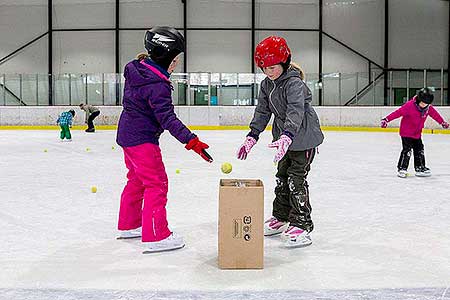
point(270, 98)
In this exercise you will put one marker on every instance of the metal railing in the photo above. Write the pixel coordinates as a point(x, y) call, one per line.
point(338, 89)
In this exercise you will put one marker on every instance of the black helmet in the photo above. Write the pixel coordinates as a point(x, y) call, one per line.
point(163, 44)
point(72, 112)
point(425, 95)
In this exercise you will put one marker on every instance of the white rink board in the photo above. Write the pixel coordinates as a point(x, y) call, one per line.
point(361, 116)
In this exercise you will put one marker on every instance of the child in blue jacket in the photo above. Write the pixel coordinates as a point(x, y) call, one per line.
point(65, 122)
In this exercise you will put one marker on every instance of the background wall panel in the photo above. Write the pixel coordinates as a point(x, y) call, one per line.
point(83, 52)
point(83, 14)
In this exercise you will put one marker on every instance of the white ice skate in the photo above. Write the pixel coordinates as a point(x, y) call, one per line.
point(423, 172)
point(296, 237)
point(172, 242)
point(402, 173)
point(130, 234)
point(272, 226)
point(285, 235)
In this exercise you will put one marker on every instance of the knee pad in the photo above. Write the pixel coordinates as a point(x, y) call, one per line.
point(297, 186)
point(281, 187)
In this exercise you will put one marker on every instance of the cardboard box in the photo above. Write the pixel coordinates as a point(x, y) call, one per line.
point(241, 220)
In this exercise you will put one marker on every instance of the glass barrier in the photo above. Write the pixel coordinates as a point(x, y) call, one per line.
point(213, 89)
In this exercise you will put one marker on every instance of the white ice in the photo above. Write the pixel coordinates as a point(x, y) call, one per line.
point(373, 231)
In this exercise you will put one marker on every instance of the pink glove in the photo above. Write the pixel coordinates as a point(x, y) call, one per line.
point(384, 123)
point(246, 147)
point(282, 145)
point(445, 125)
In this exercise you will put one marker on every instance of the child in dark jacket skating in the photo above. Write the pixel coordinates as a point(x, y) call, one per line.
point(414, 114)
point(92, 112)
point(296, 134)
point(147, 112)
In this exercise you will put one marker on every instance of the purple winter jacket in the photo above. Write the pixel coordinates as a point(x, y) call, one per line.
point(147, 107)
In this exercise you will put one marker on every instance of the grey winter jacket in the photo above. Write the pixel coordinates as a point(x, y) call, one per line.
point(89, 109)
point(288, 99)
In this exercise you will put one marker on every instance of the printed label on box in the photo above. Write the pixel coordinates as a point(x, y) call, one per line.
point(242, 228)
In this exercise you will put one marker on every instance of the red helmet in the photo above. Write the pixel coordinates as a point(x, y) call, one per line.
point(271, 51)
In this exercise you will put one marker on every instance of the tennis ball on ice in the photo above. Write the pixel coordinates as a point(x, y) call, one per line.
point(45, 150)
point(177, 171)
point(88, 149)
point(94, 189)
point(226, 168)
point(112, 147)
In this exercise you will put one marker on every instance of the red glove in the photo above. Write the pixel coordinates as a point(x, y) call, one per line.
point(445, 125)
point(199, 147)
point(384, 123)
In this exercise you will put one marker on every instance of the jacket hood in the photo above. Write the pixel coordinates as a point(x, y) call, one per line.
point(291, 72)
point(138, 74)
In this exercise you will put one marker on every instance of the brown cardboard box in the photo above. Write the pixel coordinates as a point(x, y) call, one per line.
point(241, 234)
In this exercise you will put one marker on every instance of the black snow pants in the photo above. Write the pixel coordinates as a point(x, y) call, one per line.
point(291, 202)
point(419, 155)
point(91, 119)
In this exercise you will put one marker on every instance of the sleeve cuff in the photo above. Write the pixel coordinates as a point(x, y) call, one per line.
point(287, 133)
point(193, 136)
point(253, 134)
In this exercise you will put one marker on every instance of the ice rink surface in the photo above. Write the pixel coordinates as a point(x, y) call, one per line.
point(376, 236)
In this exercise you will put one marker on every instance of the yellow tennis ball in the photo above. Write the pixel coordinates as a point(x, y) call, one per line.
point(177, 171)
point(45, 150)
point(226, 168)
point(94, 189)
point(87, 149)
point(112, 147)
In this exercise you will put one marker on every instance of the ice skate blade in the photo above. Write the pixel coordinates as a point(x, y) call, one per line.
point(271, 233)
point(148, 251)
point(423, 175)
point(127, 237)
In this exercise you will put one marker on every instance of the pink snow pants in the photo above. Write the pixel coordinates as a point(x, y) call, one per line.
point(144, 198)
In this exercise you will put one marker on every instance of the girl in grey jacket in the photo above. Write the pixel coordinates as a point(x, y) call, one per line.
point(296, 134)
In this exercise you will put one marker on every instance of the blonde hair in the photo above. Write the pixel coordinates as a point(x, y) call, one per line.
point(142, 56)
point(299, 69)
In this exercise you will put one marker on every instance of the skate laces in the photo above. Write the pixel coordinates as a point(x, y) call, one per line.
point(292, 230)
point(274, 223)
point(174, 236)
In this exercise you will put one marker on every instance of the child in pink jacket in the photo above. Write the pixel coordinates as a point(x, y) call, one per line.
point(414, 113)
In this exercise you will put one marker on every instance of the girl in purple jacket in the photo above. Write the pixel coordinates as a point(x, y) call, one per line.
point(414, 113)
point(147, 112)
